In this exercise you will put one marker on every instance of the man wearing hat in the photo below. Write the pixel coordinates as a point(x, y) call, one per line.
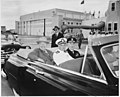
point(61, 55)
point(56, 36)
point(42, 54)
point(73, 53)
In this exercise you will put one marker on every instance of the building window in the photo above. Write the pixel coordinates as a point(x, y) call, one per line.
point(69, 15)
point(109, 27)
point(80, 23)
point(71, 22)
point(68, 30)
point(113, 7)
point(76, 23)
point(76, 16)
point(115, 26)
point(24, 24)
point(68, 22)
point(18, 24)
point(63, 23)
point(71, 30)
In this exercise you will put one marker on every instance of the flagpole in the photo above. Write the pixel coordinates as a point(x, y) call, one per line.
point(82, 3)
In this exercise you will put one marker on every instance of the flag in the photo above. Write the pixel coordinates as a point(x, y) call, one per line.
point(82, 2)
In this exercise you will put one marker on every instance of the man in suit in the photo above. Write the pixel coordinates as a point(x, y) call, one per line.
point(56, 36)
point(42, 54)
point(73, 53)
point(80, 37)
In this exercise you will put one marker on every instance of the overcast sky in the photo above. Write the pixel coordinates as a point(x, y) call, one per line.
point(11, 10)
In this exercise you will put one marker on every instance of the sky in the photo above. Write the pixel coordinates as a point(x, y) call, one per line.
point(11, 10)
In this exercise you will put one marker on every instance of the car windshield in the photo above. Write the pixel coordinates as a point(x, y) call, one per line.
point(111, 56)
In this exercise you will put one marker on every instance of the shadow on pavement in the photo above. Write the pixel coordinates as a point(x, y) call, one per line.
point(5, 89)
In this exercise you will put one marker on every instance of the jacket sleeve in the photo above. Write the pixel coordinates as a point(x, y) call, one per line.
point(77, 54)
point(33, 56)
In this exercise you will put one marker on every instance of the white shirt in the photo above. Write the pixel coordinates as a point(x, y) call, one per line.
point(61, 56)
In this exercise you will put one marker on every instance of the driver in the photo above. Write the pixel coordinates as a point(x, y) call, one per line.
point(42, 54)
point(61, 55)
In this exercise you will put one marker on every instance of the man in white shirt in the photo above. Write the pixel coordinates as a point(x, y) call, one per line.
point(61, 55)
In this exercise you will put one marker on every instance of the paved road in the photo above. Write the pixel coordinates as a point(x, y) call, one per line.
point(5, 89)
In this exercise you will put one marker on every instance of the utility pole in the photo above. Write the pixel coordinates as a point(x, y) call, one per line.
point(44, 28)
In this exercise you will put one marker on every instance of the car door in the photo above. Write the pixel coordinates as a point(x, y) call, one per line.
point(87, 79)
point(69, 82)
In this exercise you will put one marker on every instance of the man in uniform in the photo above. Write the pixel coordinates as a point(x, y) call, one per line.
point(61, 55)
point(73, 53)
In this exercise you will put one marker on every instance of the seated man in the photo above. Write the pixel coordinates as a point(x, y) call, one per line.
point(73, 53)
point(61, 55)
point(42, 54)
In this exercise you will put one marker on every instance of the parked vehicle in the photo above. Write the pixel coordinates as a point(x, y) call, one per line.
point(8, 47)
point(93, 74)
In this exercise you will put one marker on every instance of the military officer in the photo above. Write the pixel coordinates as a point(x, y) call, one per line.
point(73, 53)
point(61, 55)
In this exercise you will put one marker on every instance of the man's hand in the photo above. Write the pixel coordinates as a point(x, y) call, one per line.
point(41, 60)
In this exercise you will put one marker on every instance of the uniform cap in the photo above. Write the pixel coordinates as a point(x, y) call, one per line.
point(56, 27)
point(61, 41)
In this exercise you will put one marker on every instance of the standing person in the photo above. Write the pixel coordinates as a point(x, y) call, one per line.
point(42, 54)
point(61, 55)
point(56, 36)
point(73, 53)
point(80, 37)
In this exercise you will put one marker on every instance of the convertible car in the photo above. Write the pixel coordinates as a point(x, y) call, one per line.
point(97, 73)
point(9, 46)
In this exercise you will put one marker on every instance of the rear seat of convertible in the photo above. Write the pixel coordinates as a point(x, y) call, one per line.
point(74, 65)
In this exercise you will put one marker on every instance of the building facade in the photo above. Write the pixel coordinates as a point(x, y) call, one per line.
point(42, 22)
point(111, 19)
point(113, 16)
point(3, 28)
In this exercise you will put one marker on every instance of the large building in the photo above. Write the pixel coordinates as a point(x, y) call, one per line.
point(42, 22)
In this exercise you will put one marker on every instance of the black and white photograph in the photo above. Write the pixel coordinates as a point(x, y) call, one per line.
point(60, 47)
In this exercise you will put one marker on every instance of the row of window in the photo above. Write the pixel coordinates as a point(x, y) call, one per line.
point(71, 23)
point(112, 6)
point(75, 16)
point(115, 26)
